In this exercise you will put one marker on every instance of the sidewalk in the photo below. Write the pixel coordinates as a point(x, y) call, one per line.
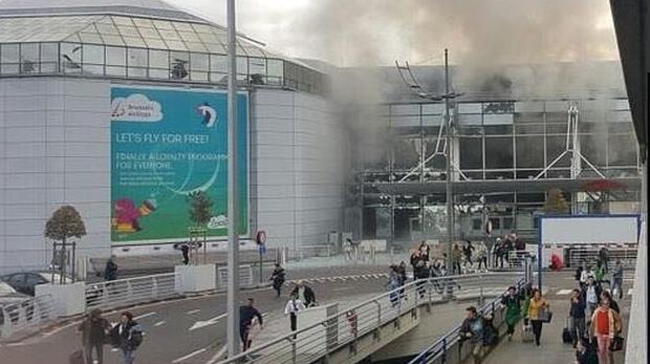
point(552, 350)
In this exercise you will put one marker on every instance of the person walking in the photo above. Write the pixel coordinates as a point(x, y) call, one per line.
point(305, 294)
point(468, 250)
point(591, 294)
point(603, 258)
point(347, 247)
point(393, 284)
point(293, 307)
point(93, 335)
point(585, 274)
point(481, 256)
point(278, 278)
point(497, 251)
point(110, 271)
point(512, 302)
point(455, 260)
point(617, 278)
point(605, 324)
point(185, 251)
point(246, 315)
point(577, 316)
point(471, 330)
point(612, 304)
point(127, 336)
point(535, 307)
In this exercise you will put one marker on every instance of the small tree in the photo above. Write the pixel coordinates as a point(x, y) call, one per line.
point(555, 202)
point(65, 223)
point(200, 208)
point(200, 215)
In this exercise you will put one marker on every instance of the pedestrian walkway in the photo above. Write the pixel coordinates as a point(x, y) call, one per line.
point(552, 350)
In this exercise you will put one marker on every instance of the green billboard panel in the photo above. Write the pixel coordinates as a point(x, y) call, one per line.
point(167, 144)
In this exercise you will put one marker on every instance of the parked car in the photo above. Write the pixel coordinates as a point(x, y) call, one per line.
point(24, 282)
point(11, 300)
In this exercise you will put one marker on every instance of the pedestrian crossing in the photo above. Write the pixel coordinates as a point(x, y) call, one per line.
point(355, 277)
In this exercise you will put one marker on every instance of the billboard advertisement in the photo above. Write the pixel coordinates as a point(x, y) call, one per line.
point(169, 145)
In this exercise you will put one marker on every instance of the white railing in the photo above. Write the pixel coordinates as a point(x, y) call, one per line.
point(590, 256)
point(316, 341)
point(636, 350)
point(26, 315)
point(131, 291)
point(245, 277)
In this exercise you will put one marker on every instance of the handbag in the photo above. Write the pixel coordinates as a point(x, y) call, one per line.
point(617, 344)
point(527, 334)
point(545, 315)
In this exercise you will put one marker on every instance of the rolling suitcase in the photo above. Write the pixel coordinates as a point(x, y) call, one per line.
point(567, 338)
point(527, 334)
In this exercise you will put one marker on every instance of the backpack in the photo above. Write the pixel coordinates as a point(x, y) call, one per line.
point(136, 339)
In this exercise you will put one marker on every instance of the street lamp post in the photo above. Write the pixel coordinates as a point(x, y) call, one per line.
point(233, 210)
point(448, 184)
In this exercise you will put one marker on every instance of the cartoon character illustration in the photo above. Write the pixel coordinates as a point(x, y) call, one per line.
point(127, 215)
point(209, 114)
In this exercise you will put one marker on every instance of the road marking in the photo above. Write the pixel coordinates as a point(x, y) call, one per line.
point(563, 292)
point(212, 321)
point(160, 323)
point(114, 349)
point(193, 311)
point(355, 278)
point(218, 355)
point(145, 315)
point(194, 353)
point(15, 344)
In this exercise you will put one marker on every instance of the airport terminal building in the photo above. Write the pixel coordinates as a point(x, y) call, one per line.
point(119, 109)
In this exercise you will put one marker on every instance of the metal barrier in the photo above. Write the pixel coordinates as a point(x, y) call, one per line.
point(245, 276)
point(317, 341)
point(131, 291)
point(445, 348)
point(27, 315)
point(590, 255)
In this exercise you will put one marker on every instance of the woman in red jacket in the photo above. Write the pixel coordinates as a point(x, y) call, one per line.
point(605, 323)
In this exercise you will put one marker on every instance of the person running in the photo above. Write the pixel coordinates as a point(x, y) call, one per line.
point(278, 278)
point(605, 324)
point(577, 316)
point(127, 335)
point(93, 330)
point(617, 278)
point(246, 315)
point(535, 307)
point(305, 294)
point(471, 330)
point(512, 302)
point(293, 307)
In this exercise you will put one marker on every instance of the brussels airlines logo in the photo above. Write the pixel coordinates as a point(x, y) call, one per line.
point(208, 113)
point(135, 107)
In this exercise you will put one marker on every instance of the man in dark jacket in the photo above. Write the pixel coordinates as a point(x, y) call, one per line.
point(246, 315)
point(471, 331)
point(127, 336)
point(93, 335)
point(304, 293)
point(110, 272)
point(278, 278)
point(577, 316)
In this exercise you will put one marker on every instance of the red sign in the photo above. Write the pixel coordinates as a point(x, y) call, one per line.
point(260, 238)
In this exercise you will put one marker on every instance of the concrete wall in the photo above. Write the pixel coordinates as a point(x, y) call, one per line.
point(55, 150)
point(298, 161)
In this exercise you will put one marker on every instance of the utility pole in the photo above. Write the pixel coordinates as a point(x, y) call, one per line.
point(448, 184)
point(233, 201)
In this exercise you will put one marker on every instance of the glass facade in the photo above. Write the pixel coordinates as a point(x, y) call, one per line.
point(141, 48)
point(502, 140)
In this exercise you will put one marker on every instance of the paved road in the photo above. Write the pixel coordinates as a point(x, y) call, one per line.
point(168, 325)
